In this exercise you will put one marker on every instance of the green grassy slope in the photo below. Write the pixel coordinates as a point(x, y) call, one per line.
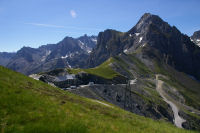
point(27, 105)
point(104, 70)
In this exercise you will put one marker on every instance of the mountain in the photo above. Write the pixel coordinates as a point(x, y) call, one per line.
point(27, 106)
point(151, 39)
point(88, 42)
point(5, 57)
point(125, 81)
point(108, 44)
point(69, 52)
point(151, 70)
point(196, 38)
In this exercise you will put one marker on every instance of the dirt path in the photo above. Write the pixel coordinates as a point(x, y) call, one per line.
point(102, 103)
point(177, 119)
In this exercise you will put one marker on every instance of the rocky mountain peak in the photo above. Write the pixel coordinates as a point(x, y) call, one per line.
point(66, 39)
point(107, 35)
point(153, 39)
point(148, 20)
point(108, 44)
point(25, 51)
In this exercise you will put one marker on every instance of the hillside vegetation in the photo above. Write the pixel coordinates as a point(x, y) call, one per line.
point(27, 105)
point(104, 70)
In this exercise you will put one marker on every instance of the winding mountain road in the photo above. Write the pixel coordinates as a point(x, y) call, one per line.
point(177, 119)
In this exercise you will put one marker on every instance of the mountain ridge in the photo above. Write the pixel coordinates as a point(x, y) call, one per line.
point(151, 38)
point(48, 57)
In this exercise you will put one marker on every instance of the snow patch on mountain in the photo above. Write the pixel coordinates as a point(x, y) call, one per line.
point(137, 34)
point(69, 65)
point(196, 41)
point(125, 50)
point(140, 39)
point(94, 40)
point(81, 44)
point(85, 47)
point(63, 57)
point(48, 52)
point(144, 45)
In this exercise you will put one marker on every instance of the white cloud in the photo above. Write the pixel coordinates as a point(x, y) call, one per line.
point(73, 13)
point(46, 25)
point(63, 27)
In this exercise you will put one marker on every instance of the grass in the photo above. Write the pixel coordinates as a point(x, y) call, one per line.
point(141, 66)
point(27, 105)
point(123, 65)
point(104, 70)
point(191, 98)
point(185, 85)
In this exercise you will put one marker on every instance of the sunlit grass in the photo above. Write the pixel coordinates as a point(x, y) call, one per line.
point(104, 70)
point(27, 105)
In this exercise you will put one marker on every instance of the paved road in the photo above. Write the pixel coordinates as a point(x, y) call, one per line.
point(177, 119)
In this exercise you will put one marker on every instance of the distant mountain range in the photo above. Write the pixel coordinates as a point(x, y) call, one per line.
point(155, 37)
point(70, 52)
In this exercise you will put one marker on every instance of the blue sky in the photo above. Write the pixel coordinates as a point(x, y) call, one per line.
point(39, 22)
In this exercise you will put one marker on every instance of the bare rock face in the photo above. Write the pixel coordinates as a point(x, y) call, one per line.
point(108, 44)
